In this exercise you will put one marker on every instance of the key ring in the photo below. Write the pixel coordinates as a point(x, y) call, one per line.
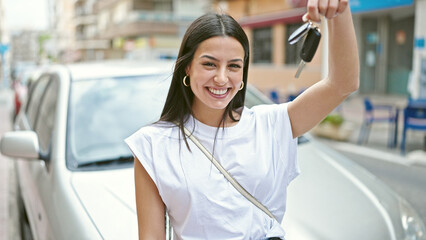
point(301, 32)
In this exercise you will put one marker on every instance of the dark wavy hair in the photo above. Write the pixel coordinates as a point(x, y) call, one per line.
point(179, 100)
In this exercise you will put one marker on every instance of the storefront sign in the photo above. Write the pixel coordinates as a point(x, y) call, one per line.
point(419, 43)
point(4, 48)
point(372, 38)
point(358, 6)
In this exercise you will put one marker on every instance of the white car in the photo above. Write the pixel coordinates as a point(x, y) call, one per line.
point(76, 173)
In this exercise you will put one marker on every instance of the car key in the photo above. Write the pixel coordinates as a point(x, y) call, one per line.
point(300, 33)
point(309, 48)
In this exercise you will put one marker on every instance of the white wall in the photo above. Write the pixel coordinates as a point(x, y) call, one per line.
point(415, 87)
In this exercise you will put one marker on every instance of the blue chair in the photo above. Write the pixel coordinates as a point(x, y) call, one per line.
point(414, 118)
point(273, 95)
point(390, 116)
point(291, 97)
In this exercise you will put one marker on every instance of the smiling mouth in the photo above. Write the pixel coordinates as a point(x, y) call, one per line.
point(218, 91)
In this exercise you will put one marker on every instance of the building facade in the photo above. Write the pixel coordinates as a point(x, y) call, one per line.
point(63, 28)
point(391, 40)
point(417, 85)
point(87, 45)
point(138, 29)
point(3, 49)
point(385, 31)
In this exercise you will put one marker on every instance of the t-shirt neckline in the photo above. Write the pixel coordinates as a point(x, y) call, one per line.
point(205, 130)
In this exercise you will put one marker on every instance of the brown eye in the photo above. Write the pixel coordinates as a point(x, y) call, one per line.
point(208, 64)
point(234, 66)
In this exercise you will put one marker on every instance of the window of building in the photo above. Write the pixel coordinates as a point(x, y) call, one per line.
point(154, 5)
point(262, 45)
point(291, 52)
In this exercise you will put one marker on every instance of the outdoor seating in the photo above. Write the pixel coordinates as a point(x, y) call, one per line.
point(378, 113)
point(273, 95)
point(293, 96)
point(414, 118)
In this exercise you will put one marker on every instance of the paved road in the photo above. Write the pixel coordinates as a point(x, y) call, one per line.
point(406, 179)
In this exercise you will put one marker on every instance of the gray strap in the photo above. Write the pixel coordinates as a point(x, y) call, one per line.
point(227, 175)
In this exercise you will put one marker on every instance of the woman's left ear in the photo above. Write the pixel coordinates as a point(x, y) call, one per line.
point(187, 70)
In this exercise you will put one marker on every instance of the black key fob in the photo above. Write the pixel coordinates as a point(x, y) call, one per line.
point(310, 45)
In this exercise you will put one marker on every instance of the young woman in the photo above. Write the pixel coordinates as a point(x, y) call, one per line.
point(256, 146)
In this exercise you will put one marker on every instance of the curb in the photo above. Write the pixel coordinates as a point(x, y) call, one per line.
point(417, 157)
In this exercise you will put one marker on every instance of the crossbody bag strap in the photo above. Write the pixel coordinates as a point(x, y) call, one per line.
point(227, 175)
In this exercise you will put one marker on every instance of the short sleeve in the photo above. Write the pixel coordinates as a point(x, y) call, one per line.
point(280, 127)
point(284, 135)
point(141, 148)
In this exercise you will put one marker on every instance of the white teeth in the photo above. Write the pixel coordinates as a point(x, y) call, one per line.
point(218, 92)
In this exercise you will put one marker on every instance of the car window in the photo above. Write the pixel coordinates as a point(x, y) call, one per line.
point(103, 112)
point(255, 97)
point(34, 99)
point(46, 117)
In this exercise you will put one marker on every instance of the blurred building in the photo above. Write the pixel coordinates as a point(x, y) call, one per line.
point(386, 38)
point(24, 46)
point(417, 85)
point(391, 40)
point(87, 45)
point(142, 29)
point(25, 51)
point(3, 46)
point(2, 25)
point(62, 23)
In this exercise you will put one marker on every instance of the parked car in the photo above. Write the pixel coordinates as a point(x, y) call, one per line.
point(76, 178)
point(20, 86)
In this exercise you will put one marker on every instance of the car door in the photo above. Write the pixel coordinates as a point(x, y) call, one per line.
point(35, 175)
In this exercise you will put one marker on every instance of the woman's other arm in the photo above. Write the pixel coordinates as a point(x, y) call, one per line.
point(149, 206)
point(319, 100)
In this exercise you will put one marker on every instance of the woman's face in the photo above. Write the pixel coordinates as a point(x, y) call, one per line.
point(216, 73)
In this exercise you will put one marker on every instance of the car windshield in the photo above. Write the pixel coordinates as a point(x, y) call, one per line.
point(103, 112)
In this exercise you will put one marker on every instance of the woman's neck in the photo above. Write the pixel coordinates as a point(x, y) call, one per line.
point(213, 117)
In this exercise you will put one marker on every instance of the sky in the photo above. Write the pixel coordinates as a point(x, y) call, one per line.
point(25, 14)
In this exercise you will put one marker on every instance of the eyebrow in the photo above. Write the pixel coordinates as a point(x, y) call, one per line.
point(215, 59)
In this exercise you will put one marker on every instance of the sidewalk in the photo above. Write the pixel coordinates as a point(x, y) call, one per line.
point(8, 229)
point(352, 110)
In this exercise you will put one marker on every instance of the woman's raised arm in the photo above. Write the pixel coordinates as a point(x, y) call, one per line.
point(319, 100)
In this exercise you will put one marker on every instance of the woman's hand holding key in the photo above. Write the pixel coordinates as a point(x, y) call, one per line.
point(326, 8)
point(320, 99)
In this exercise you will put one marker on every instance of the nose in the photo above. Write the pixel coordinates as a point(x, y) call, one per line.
point(221, 77)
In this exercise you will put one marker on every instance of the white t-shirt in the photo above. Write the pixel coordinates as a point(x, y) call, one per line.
point(259, 152)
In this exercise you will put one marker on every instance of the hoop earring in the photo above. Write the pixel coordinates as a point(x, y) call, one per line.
point(242, 86)
point(184, 81)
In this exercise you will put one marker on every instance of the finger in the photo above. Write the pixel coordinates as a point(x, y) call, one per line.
point(343, 4)
point(305, 17)
point(313, 13)
point(332, 9)
point(322, 6)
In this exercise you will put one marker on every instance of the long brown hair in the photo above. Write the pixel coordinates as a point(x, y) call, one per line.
point(178, 105)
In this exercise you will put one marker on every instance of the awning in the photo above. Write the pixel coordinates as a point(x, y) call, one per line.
point(360, 6)
point(288, 16)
